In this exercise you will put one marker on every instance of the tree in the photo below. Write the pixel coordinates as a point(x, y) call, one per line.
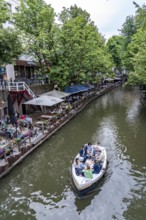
point(35, 21)
point(140, 17)
point(137, 47)
point(128, 30)
point(82, 48)
point(10, 46)
point(115, 48)
point(4, 15)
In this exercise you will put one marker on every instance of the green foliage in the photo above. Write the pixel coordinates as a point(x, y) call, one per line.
point(136, 49)
point(35, 21)
point(73, 12)
point(4, 15)
point(140, 18)
point(128, 50)
point(115, 48)
point(10, 46)
point(128, 30)
point(73, 51)
point(82, 48)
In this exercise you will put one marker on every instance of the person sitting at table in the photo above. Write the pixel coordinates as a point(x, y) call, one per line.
point(7, 118)
point(3, 125)
point(30, 126)
point(17, 114)
point(22, 117)
point(2, 151)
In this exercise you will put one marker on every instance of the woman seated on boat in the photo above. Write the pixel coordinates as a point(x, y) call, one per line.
point(100, 156)
point(97, 167)
point(88, 172)
point(96, 150)
point(79, 166)
point(83, 153)
point(90, 151)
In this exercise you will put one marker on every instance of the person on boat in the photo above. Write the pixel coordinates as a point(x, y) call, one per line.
point(88, 172)
point(99, 146)
point(79, 166)
point(96, 167)
point(83, 153)
point(86, 148)
point(100, 156)
point(90, 150)
point(96, 151)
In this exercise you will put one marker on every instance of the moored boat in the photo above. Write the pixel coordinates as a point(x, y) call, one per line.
point(80, 180)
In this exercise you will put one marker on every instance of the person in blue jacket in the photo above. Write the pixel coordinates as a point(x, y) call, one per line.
point(96, 167)
point(83, 152)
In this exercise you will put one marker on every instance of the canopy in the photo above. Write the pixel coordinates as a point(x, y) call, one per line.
point(44, 101)
point(76, 89)
point(89, 86)
point(117, 78)
point(56, 93)
point(109, 79)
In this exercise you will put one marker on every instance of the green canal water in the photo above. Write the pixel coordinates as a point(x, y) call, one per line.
point(41, 186)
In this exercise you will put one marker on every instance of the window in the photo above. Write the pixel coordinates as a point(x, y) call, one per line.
point(16, 9)
point(10, 8)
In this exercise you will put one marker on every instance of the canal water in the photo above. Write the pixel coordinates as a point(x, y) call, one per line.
point(41, 186)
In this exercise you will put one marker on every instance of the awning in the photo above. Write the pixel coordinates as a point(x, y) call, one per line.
point(76, 89)
point(117, 78)
point(109, 79)
point(89, 86)
point(44, 101)
point(56, 93)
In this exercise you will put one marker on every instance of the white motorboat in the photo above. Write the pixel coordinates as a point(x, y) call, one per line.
point(81, 182)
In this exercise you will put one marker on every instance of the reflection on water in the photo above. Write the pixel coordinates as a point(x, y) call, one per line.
point(41, 187)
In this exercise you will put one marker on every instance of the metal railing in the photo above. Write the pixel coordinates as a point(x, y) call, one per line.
point(20, 86)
